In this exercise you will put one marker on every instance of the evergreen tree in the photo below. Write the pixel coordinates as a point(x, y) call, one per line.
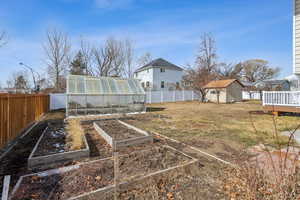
point(77, 66)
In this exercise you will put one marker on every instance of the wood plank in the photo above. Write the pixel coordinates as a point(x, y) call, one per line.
point(291, 109)
point(5, 189)
point(18, 111)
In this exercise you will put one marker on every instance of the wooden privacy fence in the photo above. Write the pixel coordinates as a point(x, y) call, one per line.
point(18, 111)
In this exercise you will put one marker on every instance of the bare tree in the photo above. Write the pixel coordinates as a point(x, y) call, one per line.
point(258, 70)
point(205, 68)
point(109, 59)
point(229, 71)
point(57, 49)
point(86, 50)
point(128, 51)
point(144, 59)
point(3, 38)
point(18, 80)
point(207, 57)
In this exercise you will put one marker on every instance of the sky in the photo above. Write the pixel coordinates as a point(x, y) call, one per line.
point(170, 29)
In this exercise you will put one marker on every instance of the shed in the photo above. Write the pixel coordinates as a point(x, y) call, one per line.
point(224, 91)
point(103, 95)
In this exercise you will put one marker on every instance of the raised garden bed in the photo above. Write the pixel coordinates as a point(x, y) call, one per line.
point(119, 134)
point(96, 177)
point(54, 146)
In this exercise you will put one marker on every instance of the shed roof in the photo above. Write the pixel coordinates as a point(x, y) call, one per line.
point(102, 85)
point(222, 83)
point(159, 63)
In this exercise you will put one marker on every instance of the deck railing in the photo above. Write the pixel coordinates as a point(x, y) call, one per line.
point(281, 98)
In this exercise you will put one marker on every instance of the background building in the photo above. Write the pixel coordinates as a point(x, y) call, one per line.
point(224, 91)
point(295, 78)
point(159, 74)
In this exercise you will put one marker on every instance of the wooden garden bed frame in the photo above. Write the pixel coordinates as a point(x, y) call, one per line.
point(39, 162)
point(146, 137)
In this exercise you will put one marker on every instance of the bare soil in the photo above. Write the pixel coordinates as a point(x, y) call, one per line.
point(118, 131)
point(55, 140)
point(15, 162)
point(98, 174)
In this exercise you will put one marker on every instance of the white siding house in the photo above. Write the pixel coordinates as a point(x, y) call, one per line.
point(159, 74)
point(297, 37)
point(295, 78)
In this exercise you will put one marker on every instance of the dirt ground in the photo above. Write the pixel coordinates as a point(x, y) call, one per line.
point(224, 130)
point(118, 131)
point(15, 162)
point(95, 175)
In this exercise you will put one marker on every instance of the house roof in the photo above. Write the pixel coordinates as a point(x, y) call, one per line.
point(221, 83)
point(275, 82)
point(159, 63)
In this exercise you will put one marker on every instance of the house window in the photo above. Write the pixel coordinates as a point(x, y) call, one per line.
point(162, 70)
point(147, 84)
point(143, 84)
point(162, 84)
point(213, 92)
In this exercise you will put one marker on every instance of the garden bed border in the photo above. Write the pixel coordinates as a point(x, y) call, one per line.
point(125, 142)
point(39, 161)
point(108, 188)
point(6, 185)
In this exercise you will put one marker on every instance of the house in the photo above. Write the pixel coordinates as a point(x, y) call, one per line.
point(273, 85)
point(294, 79)
point(159, 74)
point(224, 91)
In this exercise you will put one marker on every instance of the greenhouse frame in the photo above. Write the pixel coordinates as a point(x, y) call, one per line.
point(87, 95)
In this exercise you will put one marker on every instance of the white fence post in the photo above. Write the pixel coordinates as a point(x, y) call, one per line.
point(192, 95)
point(183, 94)
point(174, 95)
point(263, 97)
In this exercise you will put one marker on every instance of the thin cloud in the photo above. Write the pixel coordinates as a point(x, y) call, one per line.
point(113, 4)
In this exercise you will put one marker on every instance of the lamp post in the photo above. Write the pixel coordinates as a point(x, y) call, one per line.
point(32, 73)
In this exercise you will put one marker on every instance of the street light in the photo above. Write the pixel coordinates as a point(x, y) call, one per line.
point(32, 73)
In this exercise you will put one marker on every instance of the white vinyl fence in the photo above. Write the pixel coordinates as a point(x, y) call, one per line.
point(58, 101)
point(251, 95)
point(171, 96)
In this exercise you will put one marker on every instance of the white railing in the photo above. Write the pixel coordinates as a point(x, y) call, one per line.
point(281, 98)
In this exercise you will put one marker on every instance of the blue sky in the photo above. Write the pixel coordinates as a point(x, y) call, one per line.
point(244, 29)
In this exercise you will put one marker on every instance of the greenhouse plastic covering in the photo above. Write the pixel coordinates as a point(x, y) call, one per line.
point(103, 85)
point(104, 95)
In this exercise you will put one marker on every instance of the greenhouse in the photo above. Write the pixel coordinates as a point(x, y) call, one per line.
point(88, 95)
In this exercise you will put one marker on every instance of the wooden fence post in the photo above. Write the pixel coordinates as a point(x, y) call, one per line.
point(8, 119)
point(25, 110)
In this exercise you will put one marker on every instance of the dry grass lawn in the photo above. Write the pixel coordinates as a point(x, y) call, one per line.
point(222, 129)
